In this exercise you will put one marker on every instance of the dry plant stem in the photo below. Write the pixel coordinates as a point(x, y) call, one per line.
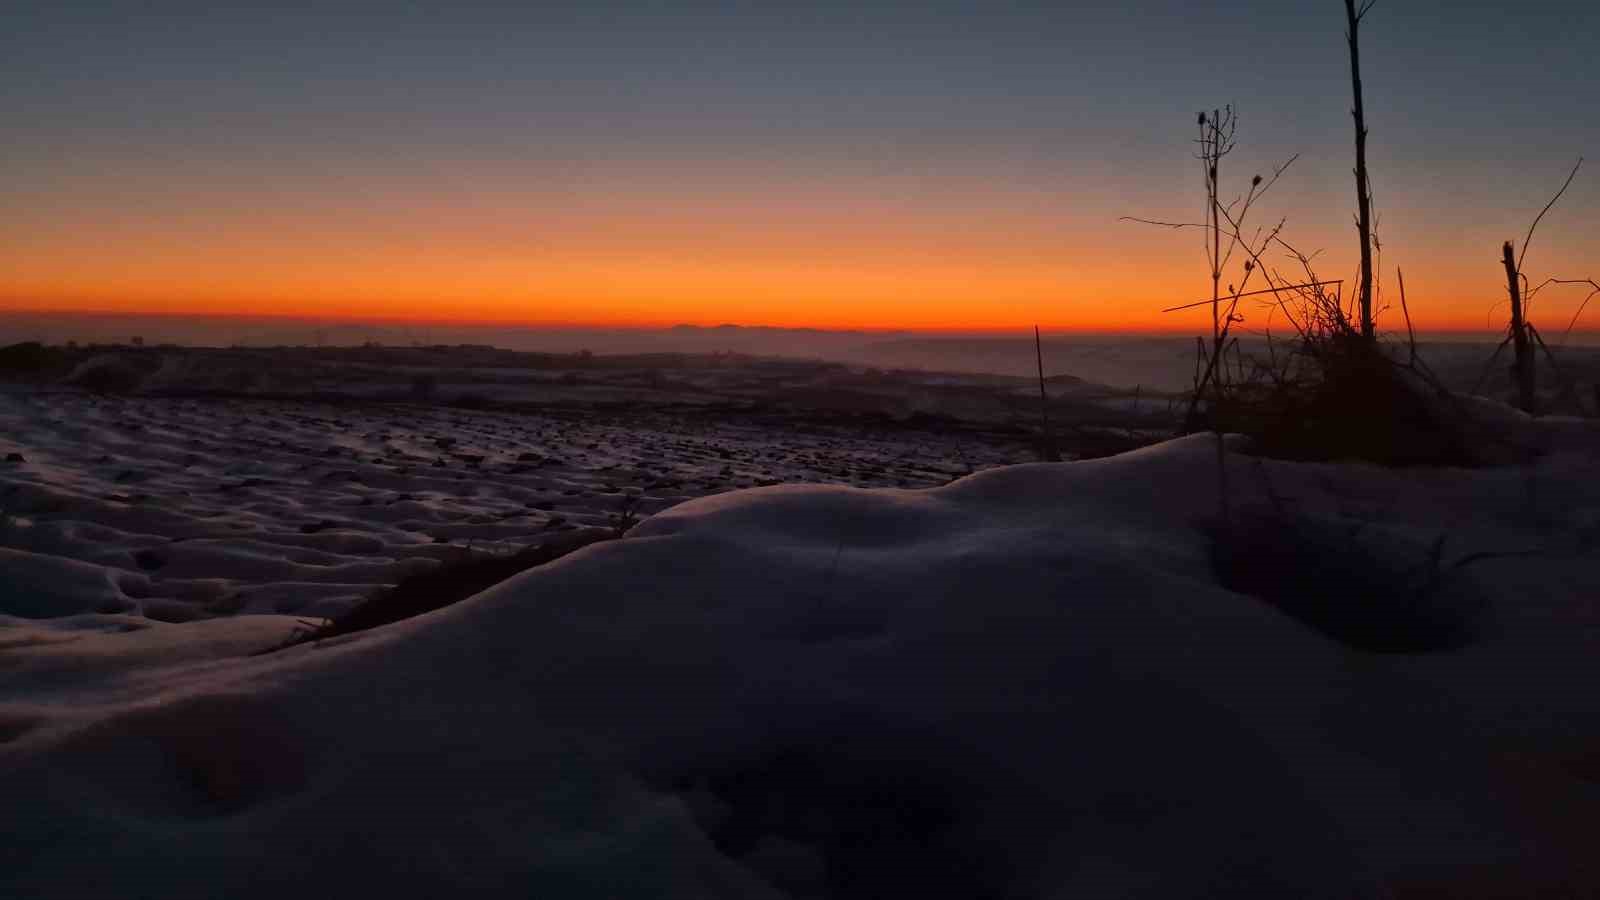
point(1353, 16)
point(1215, 140)
point(1199, 368)
point(1551, 357)
point(1523, 360)
point(1214, 370)
point(1405, 309)
point(1528, 239)
point(1596, 290)
point(1323, 306)
point(1237, 240)
point(1214, 154)
point(1489, 366)
point(1047, 442)
point(1214, 144)
point(1270, 290)
point(1524, 366)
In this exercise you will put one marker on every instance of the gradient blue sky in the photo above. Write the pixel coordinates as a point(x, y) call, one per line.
point(940, 165)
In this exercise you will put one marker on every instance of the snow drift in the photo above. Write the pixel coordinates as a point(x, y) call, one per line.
point(1029, 683)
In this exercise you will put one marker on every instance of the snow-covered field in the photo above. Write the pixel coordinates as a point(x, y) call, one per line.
point(185, 508)
point(1025, 683)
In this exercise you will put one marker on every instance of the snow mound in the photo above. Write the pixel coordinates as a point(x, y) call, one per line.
point(39, 586)
point(1026, 684)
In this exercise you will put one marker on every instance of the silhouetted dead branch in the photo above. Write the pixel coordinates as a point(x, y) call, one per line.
point(1521, 333)
point(1047, 443)
point(1596, 290)
point(1405, 309)
point(1270, 290)
point(1353, 17)
point(1528, 239)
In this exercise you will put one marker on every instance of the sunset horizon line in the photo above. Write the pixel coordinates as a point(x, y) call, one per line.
point(337, 319)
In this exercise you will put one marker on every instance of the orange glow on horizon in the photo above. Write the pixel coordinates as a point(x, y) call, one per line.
point(649, 256)
point(617, 290)
point(651, 297)
point(913, 167)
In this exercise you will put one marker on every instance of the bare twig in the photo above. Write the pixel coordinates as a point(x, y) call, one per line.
point(1411, 334)
point(1524, 364)
point(1161, 223)
point(1489, 366)
point(1047, 444)
point(1554, 366)
point(1564, 185)
point(1271, 290)
point(1591, 283)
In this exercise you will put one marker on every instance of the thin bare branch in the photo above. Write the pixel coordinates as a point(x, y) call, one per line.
point(1162, 224)
point(1411, 334)
point(1590, 282)
point(1489, 366)
point(1527, 292)
point(1488, 317)
point(1271, 290)
point(1529, 238)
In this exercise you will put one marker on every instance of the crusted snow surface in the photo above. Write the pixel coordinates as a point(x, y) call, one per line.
point(1027, 683)
point(185, 508)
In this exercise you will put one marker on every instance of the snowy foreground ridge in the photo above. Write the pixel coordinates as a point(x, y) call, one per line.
point(1028, 683)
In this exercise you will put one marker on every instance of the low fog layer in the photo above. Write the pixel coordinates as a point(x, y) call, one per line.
point(1158, 362)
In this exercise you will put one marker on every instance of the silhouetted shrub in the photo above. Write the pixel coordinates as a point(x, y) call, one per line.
point(1344, 398)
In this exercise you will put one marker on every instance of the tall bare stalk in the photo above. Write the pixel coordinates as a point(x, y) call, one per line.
point(1225, 236)
point(1215, 141)
point(1353, 16)
point(1047, 441)
point(1523, 367)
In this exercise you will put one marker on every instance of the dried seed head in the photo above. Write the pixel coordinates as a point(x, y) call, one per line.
point(1202, 117)
point(1255, 181)
point(1249, 264)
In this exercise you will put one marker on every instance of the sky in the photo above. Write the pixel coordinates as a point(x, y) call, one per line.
point(854, 165)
